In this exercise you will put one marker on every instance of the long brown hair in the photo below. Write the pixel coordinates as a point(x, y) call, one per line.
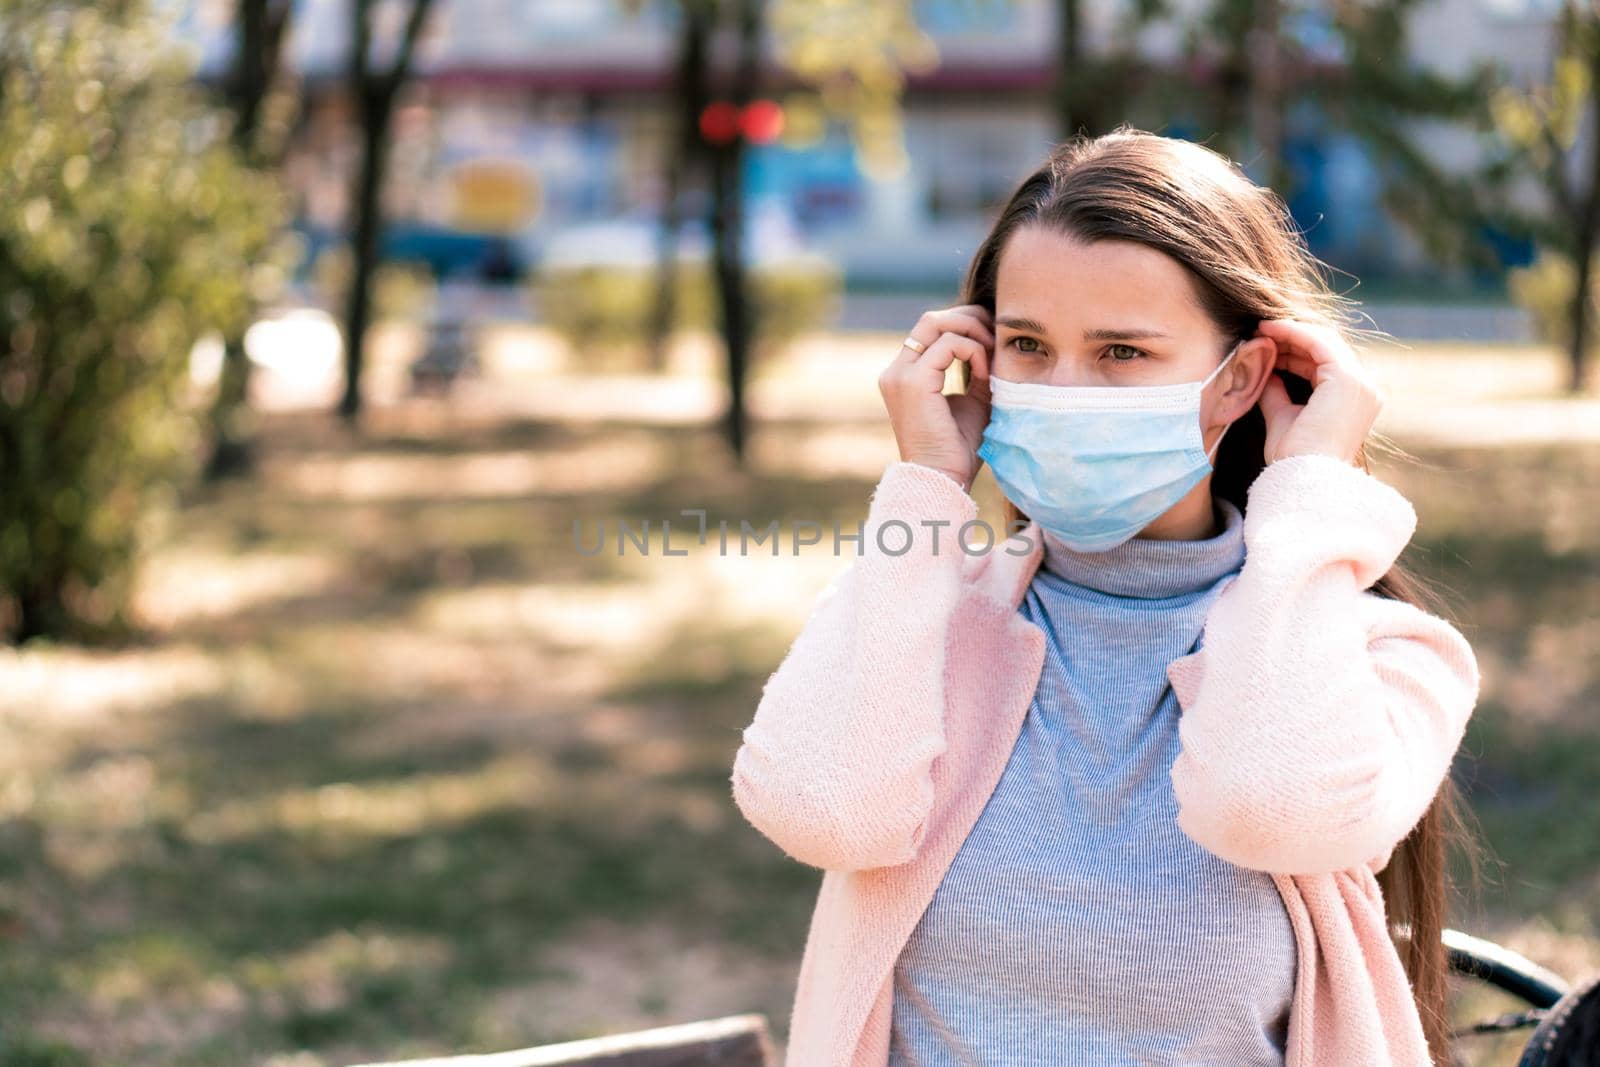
point(1250, 263)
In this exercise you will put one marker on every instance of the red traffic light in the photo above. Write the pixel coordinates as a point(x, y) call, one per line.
point(719, 122)
point(760, 122)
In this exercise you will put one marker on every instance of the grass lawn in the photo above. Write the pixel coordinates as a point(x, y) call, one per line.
point(399, 772)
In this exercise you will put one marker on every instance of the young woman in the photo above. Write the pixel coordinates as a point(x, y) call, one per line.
point(1161, 778)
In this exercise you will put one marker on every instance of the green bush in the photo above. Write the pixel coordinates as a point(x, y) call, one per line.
point(603, 312)
point(1545, 289)
point(128, 229)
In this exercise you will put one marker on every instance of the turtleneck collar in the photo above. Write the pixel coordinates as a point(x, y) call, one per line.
point(1151, 568)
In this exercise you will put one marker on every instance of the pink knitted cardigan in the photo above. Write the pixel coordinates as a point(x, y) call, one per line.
point(1318, 721)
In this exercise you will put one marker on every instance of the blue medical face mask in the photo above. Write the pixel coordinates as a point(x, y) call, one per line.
point(1094, 465)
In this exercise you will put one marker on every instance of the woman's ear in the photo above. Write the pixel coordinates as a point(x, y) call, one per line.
point(1246, 379)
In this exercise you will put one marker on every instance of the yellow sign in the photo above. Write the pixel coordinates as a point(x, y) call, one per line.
point(494, 195)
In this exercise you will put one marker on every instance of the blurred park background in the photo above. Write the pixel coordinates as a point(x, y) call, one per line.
point(322, 322)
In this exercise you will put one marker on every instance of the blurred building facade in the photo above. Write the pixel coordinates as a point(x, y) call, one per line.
point(578, 94)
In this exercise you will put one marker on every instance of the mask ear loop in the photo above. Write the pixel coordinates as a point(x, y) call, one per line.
point(1209, 379)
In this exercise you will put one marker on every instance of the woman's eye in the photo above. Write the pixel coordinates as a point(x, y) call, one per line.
point(1030, 346)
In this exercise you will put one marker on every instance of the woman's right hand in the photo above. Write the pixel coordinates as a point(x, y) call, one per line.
point(933, 429)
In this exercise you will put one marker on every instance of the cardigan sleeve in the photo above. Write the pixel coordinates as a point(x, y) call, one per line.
point(1319, 717)
point(835, 768)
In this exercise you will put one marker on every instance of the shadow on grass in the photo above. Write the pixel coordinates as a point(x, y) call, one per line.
point(465, 900)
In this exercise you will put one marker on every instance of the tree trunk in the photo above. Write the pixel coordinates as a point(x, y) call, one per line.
point(261, 28)
point(1588, 229)
point(38, 615)
point(374, 95)
point(1580, 319)
point(363, 249)
point(1071, 107)
point(682, 156)
point(231, 421)
point(252, 69)
point(1083, 91)
point(727, 224)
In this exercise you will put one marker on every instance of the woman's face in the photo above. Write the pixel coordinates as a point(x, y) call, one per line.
point(1100, 313)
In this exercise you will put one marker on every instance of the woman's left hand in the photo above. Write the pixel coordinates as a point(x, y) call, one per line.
point(1344, 401)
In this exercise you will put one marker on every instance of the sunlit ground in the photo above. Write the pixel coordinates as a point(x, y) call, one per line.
point(400, 772)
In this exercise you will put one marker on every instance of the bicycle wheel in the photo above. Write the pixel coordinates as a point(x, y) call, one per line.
point(1569, 1034)
point(1499, 968)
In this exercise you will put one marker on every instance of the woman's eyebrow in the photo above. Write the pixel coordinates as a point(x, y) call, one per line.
point(1019, 323)
point(1102, 333)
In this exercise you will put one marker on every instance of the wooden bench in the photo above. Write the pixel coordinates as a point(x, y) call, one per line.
point(732, 1041)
